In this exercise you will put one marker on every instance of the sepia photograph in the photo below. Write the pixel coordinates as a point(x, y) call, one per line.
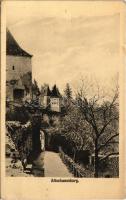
point(62, 89)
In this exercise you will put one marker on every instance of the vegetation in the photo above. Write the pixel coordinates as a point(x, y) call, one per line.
point(102, 117)
point(92, 124)
point(35, 89)
point(68, 91)
point(17, 113)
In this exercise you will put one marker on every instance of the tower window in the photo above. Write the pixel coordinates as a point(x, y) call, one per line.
point(13, 68)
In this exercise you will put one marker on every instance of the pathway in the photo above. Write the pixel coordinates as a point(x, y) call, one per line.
point(54, 167)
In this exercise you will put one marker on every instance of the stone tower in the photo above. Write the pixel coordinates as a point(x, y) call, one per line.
point(18, 71)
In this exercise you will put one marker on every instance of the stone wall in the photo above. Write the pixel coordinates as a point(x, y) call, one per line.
point(21, 65)
point(18, 75)
point(21, 136)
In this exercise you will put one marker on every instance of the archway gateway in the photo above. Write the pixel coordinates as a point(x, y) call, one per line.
point(45, 138)
point(48, 141)
point(42, 138)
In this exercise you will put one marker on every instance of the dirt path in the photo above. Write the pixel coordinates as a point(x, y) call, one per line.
point(48, 164)
point(54, 167)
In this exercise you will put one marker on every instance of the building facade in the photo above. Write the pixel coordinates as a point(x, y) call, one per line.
point(51, 99)
point(18, 71)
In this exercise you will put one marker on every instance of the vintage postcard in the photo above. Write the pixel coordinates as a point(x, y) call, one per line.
point(62, 100)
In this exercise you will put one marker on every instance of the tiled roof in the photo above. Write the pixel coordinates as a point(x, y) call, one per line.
point(13, 48)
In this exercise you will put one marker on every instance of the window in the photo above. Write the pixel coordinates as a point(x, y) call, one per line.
point(13, 68)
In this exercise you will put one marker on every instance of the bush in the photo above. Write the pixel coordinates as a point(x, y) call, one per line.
point(21, 137)
point(17, 114)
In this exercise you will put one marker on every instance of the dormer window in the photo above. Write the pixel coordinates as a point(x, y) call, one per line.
point(13, 68)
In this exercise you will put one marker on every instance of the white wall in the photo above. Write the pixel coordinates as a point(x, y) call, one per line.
point(55, 104)
point(45, 101)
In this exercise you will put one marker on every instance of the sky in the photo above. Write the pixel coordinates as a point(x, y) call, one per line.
point(68, 40)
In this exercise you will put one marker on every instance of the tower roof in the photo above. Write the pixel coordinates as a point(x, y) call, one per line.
point(47, 91)
point(13, 48)
point(55, 92)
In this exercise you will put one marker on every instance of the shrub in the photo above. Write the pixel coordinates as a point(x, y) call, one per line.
point(17, 114)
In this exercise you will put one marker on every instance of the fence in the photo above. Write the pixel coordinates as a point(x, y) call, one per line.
point(74, 168)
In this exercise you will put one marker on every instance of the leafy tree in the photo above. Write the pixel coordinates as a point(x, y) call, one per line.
point(76, 130)
point(102, 116)
point(91, 123)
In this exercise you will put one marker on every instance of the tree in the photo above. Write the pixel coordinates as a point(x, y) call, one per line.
point(35, 89)
point(68, 91)
point(102, 116)
point(75, 130)
point(67, 100)
point(27, 81)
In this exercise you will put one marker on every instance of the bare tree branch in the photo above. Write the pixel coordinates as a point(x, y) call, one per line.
point(110, 154)
point(108, 141)
point(106, 124)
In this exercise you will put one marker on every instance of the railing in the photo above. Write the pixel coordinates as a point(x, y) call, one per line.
point(74, 168)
